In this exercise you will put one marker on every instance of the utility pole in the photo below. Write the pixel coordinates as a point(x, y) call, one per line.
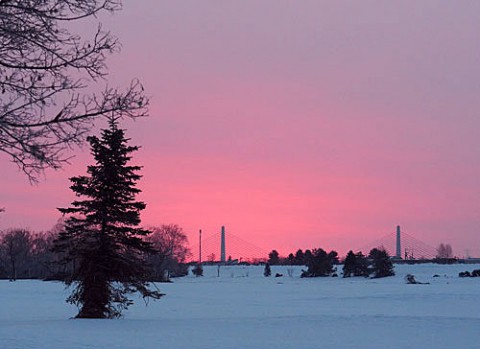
point(200, 247)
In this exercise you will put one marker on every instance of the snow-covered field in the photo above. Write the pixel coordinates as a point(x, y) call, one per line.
point(243, 309)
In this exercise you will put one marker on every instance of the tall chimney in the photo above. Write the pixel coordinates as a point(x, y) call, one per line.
point(398, 253)
point(222, 246)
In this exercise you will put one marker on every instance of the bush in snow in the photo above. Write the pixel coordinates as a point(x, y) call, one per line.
point(475, 273)
point(267, 271)
point(197, 270)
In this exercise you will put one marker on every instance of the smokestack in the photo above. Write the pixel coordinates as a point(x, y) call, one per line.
point(222, 246)
point(398, 253)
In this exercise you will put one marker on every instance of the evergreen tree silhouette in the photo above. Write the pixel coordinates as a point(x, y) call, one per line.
point(349, 264)
point(101, 238)
point(355, 264)
point(381, 265)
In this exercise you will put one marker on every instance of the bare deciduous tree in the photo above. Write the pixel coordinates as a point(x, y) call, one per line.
point(16, 245)
point(41, 257)
point(444, 251)
point(45, 69)
point(171, 243)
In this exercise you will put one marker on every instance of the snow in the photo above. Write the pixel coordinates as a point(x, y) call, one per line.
point(243, 309)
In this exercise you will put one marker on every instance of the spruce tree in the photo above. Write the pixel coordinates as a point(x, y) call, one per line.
point(299, 257)
point(349, 264)
point(274, 258)
point(102, 239)
point(381, 264)
point(361, 265)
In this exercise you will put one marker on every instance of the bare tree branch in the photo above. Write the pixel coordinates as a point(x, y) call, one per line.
point(45, 71)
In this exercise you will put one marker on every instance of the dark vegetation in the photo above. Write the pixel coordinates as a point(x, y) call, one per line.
point(411, 280)
point(320, 263)
point(47, 73)
point(101, 240)
point(474, 273)
point(267, 271)
point(98, 247)
point(171, 251)
point(380, 263)
point(25, 254)
point(197, 270)
point(355, 264)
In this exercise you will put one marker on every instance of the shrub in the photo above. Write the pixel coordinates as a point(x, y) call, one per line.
point(197, 270)
point(267, 271)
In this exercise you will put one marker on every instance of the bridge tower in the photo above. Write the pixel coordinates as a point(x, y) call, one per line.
point(398, 251)
point(222, 246)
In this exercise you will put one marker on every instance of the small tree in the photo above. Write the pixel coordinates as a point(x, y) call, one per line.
point(197, 270)
point(333, 257)
point(355, 264)
point(361, 265)
point(349, 264)
point(444, 251)
point(41, 256)
point(291, 259)
point(101, 234)
point(381, 264)
point(299, 257)
point(170, 243)
point(274, 258)
point(307, 257)
point(267, 270)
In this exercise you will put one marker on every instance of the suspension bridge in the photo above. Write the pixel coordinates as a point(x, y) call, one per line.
point(401, 245)
point(226, 247)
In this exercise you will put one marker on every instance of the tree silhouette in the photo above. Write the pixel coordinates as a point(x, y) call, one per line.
point(16, 245)
point(170, 243)
point(320, 263)
point(381, 265)
point(299, 257)
point(444, 251)
point(274, 258)
point(102, 235)
point(355, 264)
point(47, 73)
point(349, 264)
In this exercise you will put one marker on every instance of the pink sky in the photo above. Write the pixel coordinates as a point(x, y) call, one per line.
point(296, 124)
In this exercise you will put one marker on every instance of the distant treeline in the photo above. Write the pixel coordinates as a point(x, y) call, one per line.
point(25, 254)
point(300, 257)
point(320, 263)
